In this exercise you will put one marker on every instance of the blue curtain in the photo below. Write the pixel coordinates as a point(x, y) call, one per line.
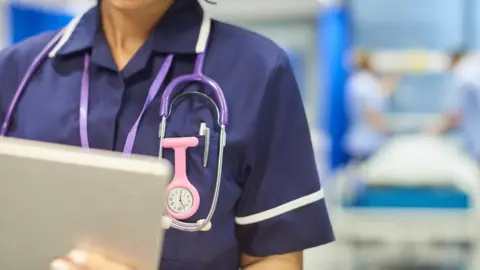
point(334, 46)
point(27, 21)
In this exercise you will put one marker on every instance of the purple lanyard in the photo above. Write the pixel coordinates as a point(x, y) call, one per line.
point(152, 92)
point(85, 89)
point(197, 76)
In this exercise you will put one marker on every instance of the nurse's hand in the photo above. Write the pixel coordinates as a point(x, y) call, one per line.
point(81, 260)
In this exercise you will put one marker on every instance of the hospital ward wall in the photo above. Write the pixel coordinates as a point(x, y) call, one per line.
point(4, 24)
point(399, 25)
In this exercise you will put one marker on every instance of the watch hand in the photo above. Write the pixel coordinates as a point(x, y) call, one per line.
point(181, 202)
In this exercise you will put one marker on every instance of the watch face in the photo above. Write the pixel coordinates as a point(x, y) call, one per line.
point(180, 200)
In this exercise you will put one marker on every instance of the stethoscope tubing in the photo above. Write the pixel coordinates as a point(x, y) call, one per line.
point(165, 110)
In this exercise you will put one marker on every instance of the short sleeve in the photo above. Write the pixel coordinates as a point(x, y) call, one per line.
point(8, 79)
point(14, 63)
point(372, 98)
point(364, 93)
point(370, 95)
point(282, 207)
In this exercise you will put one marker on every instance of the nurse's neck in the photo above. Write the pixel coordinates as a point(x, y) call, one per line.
point(126, 30)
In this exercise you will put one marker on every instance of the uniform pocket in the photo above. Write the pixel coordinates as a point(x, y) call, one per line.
point(204, 178)
point(203, 247)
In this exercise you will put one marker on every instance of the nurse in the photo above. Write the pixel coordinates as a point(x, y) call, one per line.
point(366, 98)
point(463, 103)
point(270, 206)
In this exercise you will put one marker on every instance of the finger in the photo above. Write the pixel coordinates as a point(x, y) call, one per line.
point(87, 260)
point(63, 264)
point(93, 261)
point(79, 257)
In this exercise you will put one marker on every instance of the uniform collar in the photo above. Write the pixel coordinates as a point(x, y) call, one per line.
point(176, 33)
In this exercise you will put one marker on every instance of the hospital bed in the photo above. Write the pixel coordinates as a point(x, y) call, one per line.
point(417, 190)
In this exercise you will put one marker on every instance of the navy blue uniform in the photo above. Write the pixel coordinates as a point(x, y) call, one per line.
point(270, 200)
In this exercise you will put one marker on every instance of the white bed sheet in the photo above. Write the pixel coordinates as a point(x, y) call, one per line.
point(422, 161)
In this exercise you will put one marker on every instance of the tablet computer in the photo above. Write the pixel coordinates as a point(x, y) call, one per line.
point(55, 198)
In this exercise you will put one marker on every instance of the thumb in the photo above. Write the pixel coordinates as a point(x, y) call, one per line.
point(63, 264)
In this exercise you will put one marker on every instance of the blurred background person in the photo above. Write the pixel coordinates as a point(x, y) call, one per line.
point(367, 96)
point(462, 109)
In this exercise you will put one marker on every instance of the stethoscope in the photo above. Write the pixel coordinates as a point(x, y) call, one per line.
point(182, 198)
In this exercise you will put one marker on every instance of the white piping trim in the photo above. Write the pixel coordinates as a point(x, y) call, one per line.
point(204, 33)
point(282, 209)
point(66, 35)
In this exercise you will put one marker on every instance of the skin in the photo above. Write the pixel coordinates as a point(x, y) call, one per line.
point(127, 25)
point(291, 261)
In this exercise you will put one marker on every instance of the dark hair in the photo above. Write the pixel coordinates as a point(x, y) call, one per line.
point(456, 56)
point(363, 59)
